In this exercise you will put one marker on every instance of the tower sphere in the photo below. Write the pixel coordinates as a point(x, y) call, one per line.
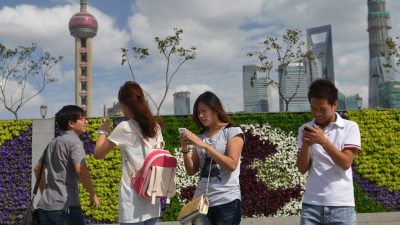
point(83, 25)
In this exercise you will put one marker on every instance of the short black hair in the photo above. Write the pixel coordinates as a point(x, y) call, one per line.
point(323, 89)
point(68, 113)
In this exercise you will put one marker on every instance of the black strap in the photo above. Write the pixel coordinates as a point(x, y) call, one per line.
point(28, 214)
point(39, 177)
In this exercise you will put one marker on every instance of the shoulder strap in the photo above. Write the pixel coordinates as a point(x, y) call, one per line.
point(147, 144)
point(229, 125)
point(160, 143)
point(209, 173)
point(39, 177)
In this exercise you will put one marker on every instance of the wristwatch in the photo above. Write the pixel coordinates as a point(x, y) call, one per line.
point(102, 132)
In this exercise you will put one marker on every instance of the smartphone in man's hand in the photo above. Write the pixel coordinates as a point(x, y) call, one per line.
point(307, 128)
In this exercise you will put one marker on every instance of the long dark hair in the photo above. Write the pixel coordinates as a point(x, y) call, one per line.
point(212, 101)
point(131, 94)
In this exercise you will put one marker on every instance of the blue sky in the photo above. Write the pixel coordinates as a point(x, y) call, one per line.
point(223, 32)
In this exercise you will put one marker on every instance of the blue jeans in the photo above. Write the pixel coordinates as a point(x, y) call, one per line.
point(151, 221)
point(227, 214)
point(328, 215)
point(72, 216)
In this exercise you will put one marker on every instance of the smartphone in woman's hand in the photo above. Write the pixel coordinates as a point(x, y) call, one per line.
point(181, 130)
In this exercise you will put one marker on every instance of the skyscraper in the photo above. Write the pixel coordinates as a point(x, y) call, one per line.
point(294, 84)
point(319, 39)
point(83, 26)
point(182, 103)
point(255, 93)
point(378, 27)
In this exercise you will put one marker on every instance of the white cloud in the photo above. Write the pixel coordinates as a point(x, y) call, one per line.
point(223, 31)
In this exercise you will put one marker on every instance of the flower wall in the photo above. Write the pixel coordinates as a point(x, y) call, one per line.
point(15, 169)
point(270, 183)
point(377, 170)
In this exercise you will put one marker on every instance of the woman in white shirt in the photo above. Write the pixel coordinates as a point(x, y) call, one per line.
point(127, 135)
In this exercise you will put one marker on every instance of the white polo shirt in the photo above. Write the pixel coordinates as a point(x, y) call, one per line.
point(327, 183)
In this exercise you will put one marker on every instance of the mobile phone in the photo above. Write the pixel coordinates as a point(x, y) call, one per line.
point(181, 130)
point(307, 128)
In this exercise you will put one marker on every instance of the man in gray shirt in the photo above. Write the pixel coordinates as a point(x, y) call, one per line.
point(66, 167)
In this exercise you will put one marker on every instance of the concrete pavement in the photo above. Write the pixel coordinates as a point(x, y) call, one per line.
point(389, 218)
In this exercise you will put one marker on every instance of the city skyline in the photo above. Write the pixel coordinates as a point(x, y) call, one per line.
point(223, 32)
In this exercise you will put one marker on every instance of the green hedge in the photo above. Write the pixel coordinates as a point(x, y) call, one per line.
point(378, 162)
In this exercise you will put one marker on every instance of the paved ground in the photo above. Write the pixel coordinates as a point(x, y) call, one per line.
point(391, 218)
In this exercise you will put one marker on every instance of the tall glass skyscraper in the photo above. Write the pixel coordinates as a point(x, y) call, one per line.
point(255, 93)
point(319, 39)
point(294, 84)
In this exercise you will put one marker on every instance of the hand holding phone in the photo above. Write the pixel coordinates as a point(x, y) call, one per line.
point(307, 128)
point(181, 130)
point(105, 125)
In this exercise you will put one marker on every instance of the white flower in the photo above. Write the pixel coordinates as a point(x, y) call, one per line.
point(279, 170)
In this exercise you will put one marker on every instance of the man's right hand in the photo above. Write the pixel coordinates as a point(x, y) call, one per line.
point(94, 201)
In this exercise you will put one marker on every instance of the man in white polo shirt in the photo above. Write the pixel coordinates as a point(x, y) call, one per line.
point(327, 146)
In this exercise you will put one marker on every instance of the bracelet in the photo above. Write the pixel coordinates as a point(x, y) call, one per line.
point(102, 132)
point(185, 152)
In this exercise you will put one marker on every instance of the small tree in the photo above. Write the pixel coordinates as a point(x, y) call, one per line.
point(131, 57)
point(170, 48)
point(137, 54)
point(280, 53)
point(392, 55)
point(19, 68)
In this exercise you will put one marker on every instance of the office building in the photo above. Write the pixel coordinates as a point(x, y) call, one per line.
point(351, 102)
point(389, 94)
point(319, 39)
point(378, 30)
point(83, 26)
point(294, 85)
point(341, 104)
point(182, 103)
point(112, 110)
point(255, 92)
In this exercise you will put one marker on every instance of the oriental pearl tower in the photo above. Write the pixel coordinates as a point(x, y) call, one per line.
point(83, 26)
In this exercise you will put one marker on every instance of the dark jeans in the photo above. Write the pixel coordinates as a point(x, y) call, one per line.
point(227, 214)
point(72, 216)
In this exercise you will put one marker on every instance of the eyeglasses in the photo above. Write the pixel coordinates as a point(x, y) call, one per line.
point(83, 119)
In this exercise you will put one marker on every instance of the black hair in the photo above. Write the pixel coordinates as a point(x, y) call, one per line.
point(68, 113)
point(212, 101)
point(323, 89)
